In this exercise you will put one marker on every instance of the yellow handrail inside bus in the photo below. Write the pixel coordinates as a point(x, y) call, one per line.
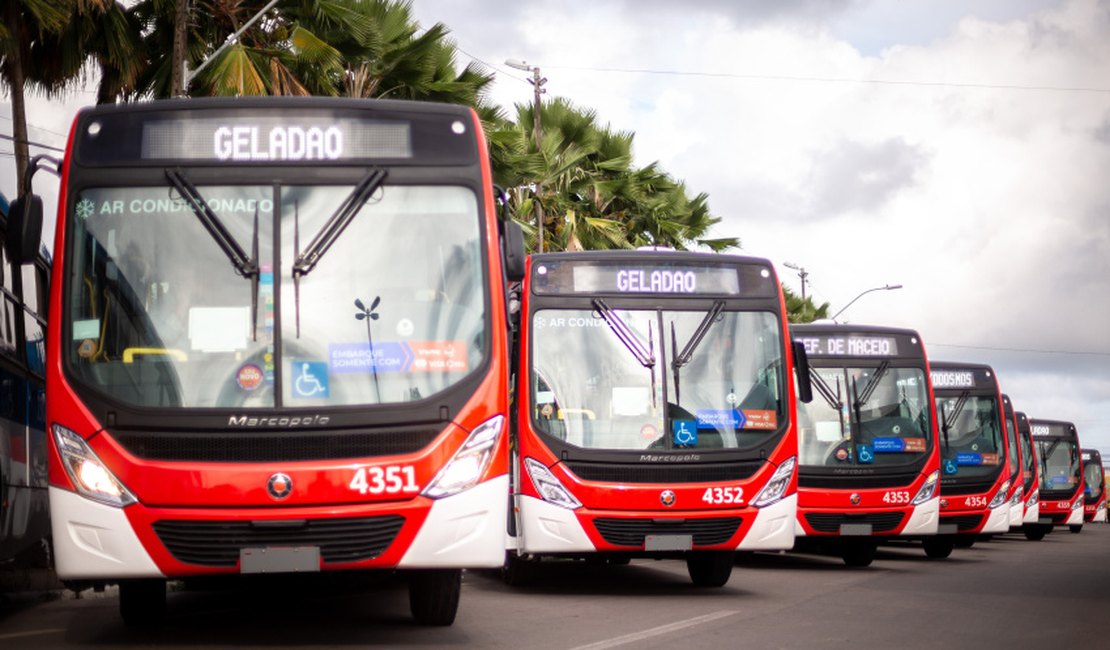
point(129, 353)
point(587, 412)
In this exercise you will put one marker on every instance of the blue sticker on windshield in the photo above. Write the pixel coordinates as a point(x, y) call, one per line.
point(968, 458)
point(720, 419)
point(685, 433)
point(950, 466)
point(1060, 480)
point(310, 379)
point(888, 445)
point(865, 454)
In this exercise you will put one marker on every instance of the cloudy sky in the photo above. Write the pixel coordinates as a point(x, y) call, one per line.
point(956, 147)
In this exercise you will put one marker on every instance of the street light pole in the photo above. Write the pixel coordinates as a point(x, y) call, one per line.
point(537, 82)
point(802, 273)
point(889, 287)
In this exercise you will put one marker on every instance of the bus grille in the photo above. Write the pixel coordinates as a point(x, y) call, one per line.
point(964, 523)
point(266, 447)
point(1059, 518)
point(881, 522)
point(631, 532)
point(217, 543)
point(669, 474)
point(848, 481)
point(949, 487)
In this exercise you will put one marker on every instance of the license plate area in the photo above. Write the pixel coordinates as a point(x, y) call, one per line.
point(279, 559)
point(1044, 520)
point(853, 530)
point(947, 529)
point(668, 542)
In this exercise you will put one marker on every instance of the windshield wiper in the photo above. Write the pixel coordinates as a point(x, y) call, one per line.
point(333, 228)
point(872, 385)
point(944, 426)
point(645, 357)
point(826, 391)
point(683, 358)
point(246, 266)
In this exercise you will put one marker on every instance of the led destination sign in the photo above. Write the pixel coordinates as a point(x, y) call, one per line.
point(850, 346)
point(1052, 430)
point(274, 139)
point(644, 278)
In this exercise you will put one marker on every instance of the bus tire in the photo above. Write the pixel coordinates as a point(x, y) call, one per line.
point(1033, 532)
point(965, 541)
point(434, 595)
point(142, 602)
point(517, 571)
point(710, 568)
point(1076, 528)
point(859, 554)
point(938, 547)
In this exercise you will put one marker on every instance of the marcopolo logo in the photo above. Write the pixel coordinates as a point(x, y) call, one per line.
point(277, 421)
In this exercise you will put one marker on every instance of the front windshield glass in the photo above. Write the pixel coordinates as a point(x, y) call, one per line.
point(594, 391)
point(1059, 465)
point(1012, 446)
point(971, 443)
point(891, 427)
point(160, 316)
point(1028, 461)
point(1092, 480)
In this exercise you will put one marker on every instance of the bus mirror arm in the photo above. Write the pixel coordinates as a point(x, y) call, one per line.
point(512, 246)
point(801, 369)
point(25, 215)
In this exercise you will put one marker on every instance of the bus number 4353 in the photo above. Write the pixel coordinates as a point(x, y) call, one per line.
point(388, 480)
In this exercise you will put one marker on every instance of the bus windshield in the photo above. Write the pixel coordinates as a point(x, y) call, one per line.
point(1092, 479)
point(970, 438)
point(1060, 470)
point(596, 388)
point(891, 425)
point(1012, 446)
point(161, 314)
point(1029, 461)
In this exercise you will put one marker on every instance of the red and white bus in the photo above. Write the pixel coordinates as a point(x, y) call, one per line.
point(1014, 464)
point(975, 474)
point(868, 461)
point(1030, 475)
point(1094, 487)
point(1061, 479)
point(654, 410)
point(278, 343)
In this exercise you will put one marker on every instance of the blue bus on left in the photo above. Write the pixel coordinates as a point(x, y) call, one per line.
point(24, 510)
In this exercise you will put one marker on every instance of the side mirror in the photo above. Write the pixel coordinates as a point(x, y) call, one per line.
point(512, 244)
point(24, 229)
point(801, 368)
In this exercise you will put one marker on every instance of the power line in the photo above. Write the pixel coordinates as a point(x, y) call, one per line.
point(37, 127)
point(888, 82)
point(30, 143)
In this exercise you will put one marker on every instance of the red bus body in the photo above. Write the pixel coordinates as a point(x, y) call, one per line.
point(1014, 463)
point(289, 463)
point(611, 457)
point(1061, 475)
point(975, 477)
point(1031, 472)
point(869, 460)
point(1094, 487)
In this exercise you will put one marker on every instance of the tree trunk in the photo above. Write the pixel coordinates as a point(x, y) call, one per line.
point(13, 72)
point(178, 83)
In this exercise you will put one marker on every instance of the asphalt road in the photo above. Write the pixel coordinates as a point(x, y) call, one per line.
point(1006, 593)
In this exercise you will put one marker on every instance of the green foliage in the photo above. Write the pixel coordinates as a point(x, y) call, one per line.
point(803, 311)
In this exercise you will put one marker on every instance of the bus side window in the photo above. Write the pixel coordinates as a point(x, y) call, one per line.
point(33, 326)
point(9, 309)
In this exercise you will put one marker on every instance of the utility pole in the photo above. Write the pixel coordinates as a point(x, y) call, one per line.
point(180, 35)
point(802, 273)
point(537, 82)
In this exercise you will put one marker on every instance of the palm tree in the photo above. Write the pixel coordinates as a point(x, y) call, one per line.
point(803, 311)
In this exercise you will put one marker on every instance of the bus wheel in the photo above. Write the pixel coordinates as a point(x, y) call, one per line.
point(965, 541)
point(938, 547)
point(618, 560)
point(709, 568)
point(434, 595)
point(1075, 528)
point(142, 603)
point(1033, 533)
point(859, 554)
point(517, 571)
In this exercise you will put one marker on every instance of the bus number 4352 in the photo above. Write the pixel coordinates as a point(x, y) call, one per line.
point(721, 495)
point(388, 480)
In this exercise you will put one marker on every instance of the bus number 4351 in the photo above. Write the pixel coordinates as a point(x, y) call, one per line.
point(388, 480)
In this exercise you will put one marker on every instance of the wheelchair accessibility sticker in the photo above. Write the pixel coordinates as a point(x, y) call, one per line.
point(310, 379)
point(685, 433)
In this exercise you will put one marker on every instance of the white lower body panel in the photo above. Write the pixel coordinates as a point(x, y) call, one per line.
point(773, 529)
point(924, 519)
point(464, 530)
point(1075, 518)
point(548, 528)
point(998, 521)
point(1032, 514)
point(1017, 511)
point(93, 541)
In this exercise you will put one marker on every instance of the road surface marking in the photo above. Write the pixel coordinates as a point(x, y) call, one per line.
point(655, 631)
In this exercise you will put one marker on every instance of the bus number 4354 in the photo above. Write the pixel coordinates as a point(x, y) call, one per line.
point(388, 480)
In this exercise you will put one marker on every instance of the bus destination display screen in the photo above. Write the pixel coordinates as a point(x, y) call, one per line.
point(638, 278)
point(836, 345)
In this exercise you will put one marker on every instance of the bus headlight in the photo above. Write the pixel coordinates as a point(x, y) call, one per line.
point(1078, 504)
point(549, 487)
point(1000, 498)
point(469, 463)
point(928, 490)
point(1018, 494)
point(1034, 498)
point(776, 487)
point(87, 472)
